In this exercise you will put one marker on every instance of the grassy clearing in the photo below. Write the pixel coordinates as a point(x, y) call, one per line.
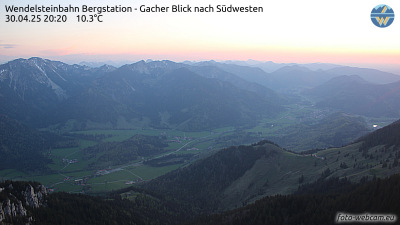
point(148, 172)
point(121, 135)
point(108, 186)
point(117, 180)
point(68, 187)
point(11, 174)
point(48, 179)
point(61, 156)
point(281, 172)
point(121, 175)
point(191, 152)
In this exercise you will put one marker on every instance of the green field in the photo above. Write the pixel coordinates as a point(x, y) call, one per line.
point(70, 164)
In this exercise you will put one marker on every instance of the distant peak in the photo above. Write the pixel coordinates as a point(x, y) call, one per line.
point(38, 60)
point(35, 58)
point(147, 67)
point(350, 78)
point(30, 61)
point(291, 68)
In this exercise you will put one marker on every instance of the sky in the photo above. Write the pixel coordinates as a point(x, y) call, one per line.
point(287, 31)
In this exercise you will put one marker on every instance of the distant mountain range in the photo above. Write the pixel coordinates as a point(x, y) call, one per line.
point(269, 67)
point(166, 94)
point(30, 88)
point(353, 94)
point(370, 75)
point(300, 77)
point(160, 93)
point(291, 77)
point(187, 96)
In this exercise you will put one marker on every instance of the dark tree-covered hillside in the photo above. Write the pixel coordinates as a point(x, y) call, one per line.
point(22, 148)
point(375, 197)
point(388, 136)
point(203, 182)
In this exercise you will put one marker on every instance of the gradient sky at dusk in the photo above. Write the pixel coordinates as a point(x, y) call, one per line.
point(287, 31)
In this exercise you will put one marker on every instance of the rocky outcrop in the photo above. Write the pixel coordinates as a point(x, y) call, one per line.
point(18, 198)
point(12, 209)
point(34, 199)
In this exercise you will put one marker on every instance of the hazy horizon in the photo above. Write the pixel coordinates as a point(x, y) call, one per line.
point(338, 32)
point(120, 60)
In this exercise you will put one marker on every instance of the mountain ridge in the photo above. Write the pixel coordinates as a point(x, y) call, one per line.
point(358, 97)
point(31, 87)
point(165, 94)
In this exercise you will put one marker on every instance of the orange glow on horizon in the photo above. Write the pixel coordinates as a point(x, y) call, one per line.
point(215, 50)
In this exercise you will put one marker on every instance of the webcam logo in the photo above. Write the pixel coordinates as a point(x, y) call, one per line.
point(382, 16)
